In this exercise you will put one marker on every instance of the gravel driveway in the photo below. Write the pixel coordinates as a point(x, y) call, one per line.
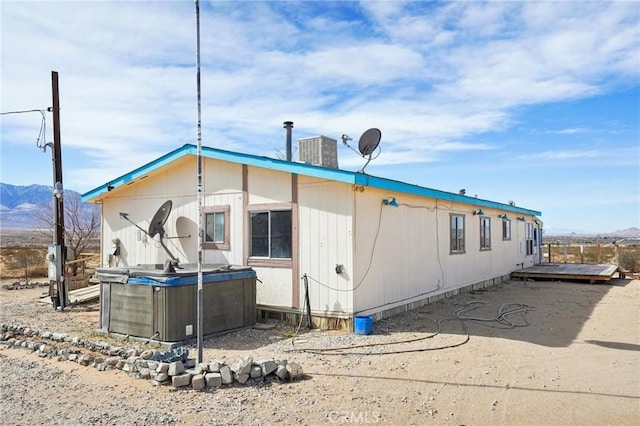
point(576, 362)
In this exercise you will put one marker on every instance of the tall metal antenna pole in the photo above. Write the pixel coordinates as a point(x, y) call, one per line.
point(58, 204)
point(200, 299)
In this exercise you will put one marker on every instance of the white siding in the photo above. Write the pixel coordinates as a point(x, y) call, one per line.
point(391, 255)
point(222, 185)
point(325, 212)
point(395, 250)
point(411, 257)
point(268, 186)
point(274, 287)
point(234, 255)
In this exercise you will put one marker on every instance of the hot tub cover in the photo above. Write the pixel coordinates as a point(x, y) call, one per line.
point(185, 275)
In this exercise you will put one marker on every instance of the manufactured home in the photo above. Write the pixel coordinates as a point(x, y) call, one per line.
point(365, 245)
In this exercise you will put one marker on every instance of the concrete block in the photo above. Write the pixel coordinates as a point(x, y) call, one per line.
point(256, 371)
point(244, 365)
point(176, 368)
point(181, 380)
point(214, 367)
point(268, 366)
point(145, 373)
point(163, 367)
point(295, 370)
point(111, 360)
point(242, 378)
point(281, 372)
point(197, 382)
point(214, 380)
point(161, 377)
point(225, 373)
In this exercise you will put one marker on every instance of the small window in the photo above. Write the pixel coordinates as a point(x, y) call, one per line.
point(216, 228)
point(506, 229)
point(457, 233)
point(485, 233)
point(270, 234)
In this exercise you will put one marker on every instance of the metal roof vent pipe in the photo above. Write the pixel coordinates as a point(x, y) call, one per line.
point(288, 125)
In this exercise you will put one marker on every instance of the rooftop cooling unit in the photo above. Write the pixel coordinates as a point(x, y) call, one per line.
point(319, 151)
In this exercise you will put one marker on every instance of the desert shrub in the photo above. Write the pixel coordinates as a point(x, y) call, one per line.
point(39, 271)
point(590, 257)
point(629, 260)
point(24, 259)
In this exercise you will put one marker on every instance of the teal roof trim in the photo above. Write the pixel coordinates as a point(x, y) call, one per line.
point(279, 165)
point(301, 169)
point(397, 186)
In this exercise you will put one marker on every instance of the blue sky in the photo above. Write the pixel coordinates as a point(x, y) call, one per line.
point(535, 102)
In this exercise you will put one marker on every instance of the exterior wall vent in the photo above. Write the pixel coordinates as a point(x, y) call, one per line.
point(319, 151)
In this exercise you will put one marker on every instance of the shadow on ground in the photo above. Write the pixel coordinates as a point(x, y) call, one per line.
point(560, 310)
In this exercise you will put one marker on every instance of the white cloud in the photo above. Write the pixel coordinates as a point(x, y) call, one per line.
point(571, 131)
point(621, 156)
point(431, 75)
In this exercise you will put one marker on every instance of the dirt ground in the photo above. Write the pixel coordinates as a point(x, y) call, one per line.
point(577, 362)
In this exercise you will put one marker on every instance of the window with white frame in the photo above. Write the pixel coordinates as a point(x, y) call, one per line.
point(216, 227)
point(457, 233)
point(506, 229)
point(485, 233)
point(270, 234)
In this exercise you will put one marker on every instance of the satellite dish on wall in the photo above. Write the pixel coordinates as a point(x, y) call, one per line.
point(159, 219)
point(369, 141)
point(156, 227)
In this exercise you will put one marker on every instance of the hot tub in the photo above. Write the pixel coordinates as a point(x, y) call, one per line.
point(146, 302)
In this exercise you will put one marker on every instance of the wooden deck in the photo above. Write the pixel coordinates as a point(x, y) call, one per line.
point(568, 271)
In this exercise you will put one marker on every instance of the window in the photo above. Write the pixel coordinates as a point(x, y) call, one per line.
point(457, 233)
point(270, 234)
point(506, 229)
point(485, 233)
point(216, 228)
point(529, 238)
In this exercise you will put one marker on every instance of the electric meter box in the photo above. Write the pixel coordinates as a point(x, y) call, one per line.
point(54, 260)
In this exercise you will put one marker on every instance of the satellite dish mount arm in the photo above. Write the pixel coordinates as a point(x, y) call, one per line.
point(365, 164)
point(173, 258)
point(156, 227)
point(125, 216)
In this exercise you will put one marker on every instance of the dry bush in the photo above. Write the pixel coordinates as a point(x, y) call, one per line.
point(629, 260)
point(23, 262)
point(39, 271)
point(590, 253)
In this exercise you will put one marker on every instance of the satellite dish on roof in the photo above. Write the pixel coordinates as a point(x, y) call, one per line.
point(369, 141)
point(159, 219)
point(367, 144)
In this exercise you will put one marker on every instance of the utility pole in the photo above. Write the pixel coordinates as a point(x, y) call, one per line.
point(57, 253)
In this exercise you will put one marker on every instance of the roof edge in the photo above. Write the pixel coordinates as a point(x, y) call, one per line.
point(305, 169)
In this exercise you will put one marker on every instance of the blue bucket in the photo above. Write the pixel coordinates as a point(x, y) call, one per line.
point(363, 324)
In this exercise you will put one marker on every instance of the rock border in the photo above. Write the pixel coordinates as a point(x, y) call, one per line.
point(21, 285)
point(144, 364)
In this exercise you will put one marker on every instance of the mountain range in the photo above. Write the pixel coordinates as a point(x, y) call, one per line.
point(18, 204)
